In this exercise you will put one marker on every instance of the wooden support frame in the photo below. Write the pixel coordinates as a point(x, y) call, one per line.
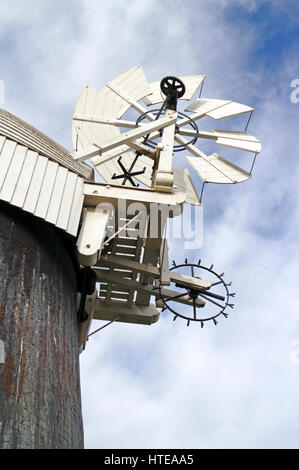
point(92, 235)
point(153, 271)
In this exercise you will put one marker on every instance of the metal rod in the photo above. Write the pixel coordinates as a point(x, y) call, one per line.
point(212, 301)
point(201, 194)
point(253, 163)
point(248, 121)
point(123, 227)
point(201, 87)
point(104, 326)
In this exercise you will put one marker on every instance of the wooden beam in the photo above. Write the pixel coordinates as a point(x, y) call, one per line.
point(145, 289)
point(153, 271)
point(118, 311)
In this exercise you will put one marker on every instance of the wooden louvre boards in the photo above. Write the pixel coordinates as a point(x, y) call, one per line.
point(40, 186)
point(15, 129)
point(111, 102)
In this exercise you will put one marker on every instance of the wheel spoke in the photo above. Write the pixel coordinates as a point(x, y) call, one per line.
point(216, 283)
point(212, 301)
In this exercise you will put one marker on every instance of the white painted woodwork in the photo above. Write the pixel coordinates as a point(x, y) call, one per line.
point(24, 180)
point(35, 184)
point(13, 173)
point(164, 264)
point(46, 190)
point(229, 110)
point(203, 106)
point(58, 191)
point(117, 311)
point(153, 271)
point(98, 192)
point(147, 289)
point(215, 169)
point(92, 235)
point(163, 176)
point(40, 186)
point(182, 182)
point(123, 138)
point(104, 120)
point(241, 140)
point(5, 159)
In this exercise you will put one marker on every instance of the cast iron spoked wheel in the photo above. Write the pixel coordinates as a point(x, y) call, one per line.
point(216, 298)
point(157, 112)
point(171, 84)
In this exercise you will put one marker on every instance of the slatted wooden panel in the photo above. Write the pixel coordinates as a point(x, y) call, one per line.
point(108, 102)
point(19, 131)
point(40, 186)
point(215, 169)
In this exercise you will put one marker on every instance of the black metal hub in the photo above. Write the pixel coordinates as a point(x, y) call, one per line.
point(173, 88)
point(176, 148)
point(128, 175)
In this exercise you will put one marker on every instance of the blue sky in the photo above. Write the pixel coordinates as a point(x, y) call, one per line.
point(168, 386)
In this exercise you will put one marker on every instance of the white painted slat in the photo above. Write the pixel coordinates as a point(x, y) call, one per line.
point(230, 109)
point(5, 158)
point(132, 82)
point(206, 105)
point(253, 147)
point(56, 196)
point(13, 173)
point(35, 184)
point(76, 209)
point(92, 102)
point(238, 135)
point(25, 178)
point(46, 190)
point(238, 139)
point(67, 201)
point(2, 140)
point(183, 182)
point(215, 169)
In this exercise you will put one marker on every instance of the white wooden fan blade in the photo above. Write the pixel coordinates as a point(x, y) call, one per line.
point(229, 110)
point(238, 139)
point(241, 140)
point(191, 82)
point(218, 109)
point(92, 102)
point(183, 183)
point(202, 106)
point(129, 87)
point(215, 169)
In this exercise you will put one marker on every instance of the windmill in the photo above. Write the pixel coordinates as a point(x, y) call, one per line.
point(130, 266)
point(83, 236)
